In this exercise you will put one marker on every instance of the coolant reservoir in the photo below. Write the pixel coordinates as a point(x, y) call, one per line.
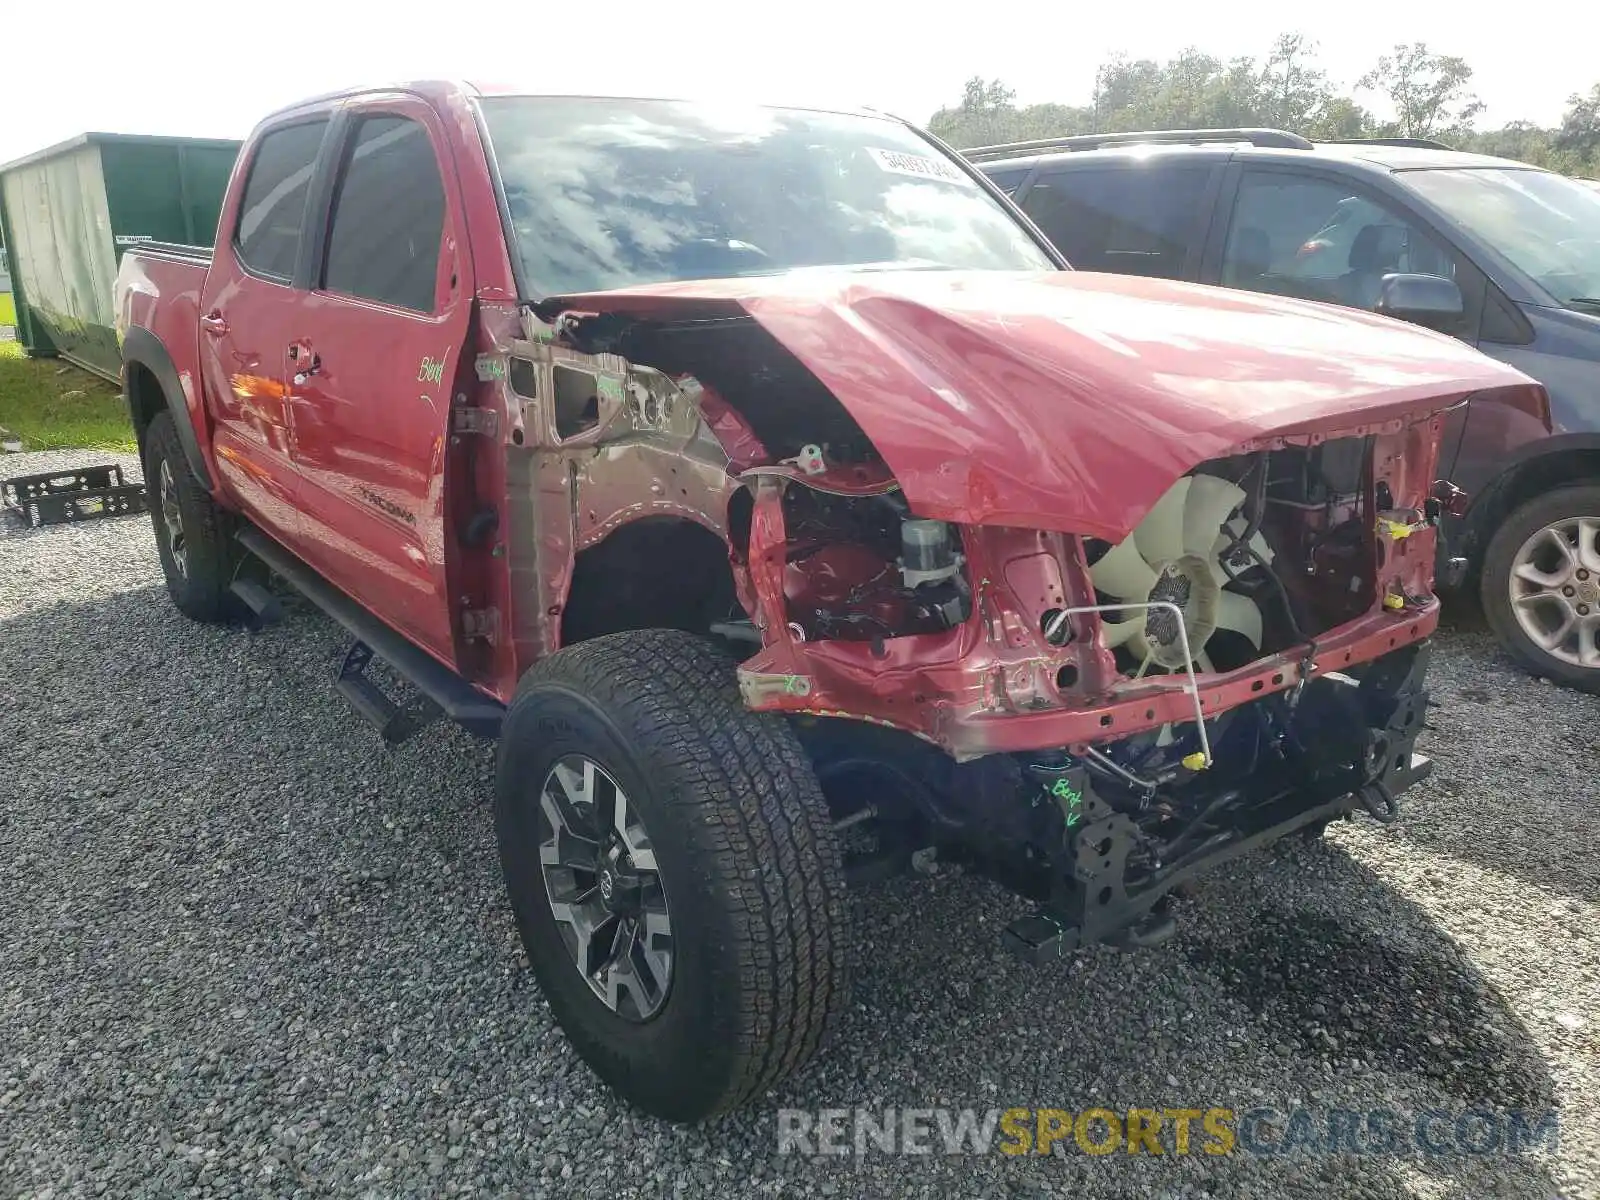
point(925, 552)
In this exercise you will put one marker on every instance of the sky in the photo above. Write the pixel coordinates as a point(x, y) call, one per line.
point(160, 66)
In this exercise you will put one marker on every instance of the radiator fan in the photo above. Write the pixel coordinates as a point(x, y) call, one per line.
point(1174, 555)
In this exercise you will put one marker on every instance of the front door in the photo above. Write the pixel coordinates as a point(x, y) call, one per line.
point(245, 312)
point(373, 356)
point(1316, 235)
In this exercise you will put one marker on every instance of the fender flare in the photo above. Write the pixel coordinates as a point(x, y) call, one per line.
point(141, 347)
point(1491, 505)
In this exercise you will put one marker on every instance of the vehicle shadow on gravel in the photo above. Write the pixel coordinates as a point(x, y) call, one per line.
point(1349, 997)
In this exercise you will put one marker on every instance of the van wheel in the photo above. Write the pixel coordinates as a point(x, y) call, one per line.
point(673, 869)
point(1541, 585)
point(191, 531)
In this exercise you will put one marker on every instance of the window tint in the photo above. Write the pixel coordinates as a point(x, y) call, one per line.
point(274, 206)
point(1009, 179)
point(388, 217)
point(1138, 220)
point(1318, 239)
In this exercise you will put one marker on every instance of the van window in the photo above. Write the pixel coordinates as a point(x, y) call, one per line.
point(1318, 239)
point(388, 217)
point(1009, 179)
point(267, 241)
point(1140, 219)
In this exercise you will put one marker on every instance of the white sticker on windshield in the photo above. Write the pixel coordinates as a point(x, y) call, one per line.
point(919, 166)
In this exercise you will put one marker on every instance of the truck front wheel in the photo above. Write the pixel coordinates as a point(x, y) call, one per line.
point(191, 533)
point(674, 872)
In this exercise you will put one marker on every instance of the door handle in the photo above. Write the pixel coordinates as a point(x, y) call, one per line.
point(306, 361)
point(214, 324)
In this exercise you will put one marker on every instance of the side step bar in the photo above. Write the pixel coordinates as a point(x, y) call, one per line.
point(391, 721)
point(456, 698)
point(262, 604)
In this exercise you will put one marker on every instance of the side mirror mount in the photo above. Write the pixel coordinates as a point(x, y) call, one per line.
point(1430, 300)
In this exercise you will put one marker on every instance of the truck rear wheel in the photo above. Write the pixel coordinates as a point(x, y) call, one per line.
point(1541, 585)
point(674, 872)
point(191, 533)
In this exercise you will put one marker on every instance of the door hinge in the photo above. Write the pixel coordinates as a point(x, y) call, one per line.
point(481, 623)
point(475, 420)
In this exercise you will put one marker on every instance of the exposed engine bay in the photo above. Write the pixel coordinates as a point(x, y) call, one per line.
point(1089, 721)
point(863, 568)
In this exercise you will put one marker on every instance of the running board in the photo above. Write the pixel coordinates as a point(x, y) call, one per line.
point(456, 698)
point(393, 723)
point(263, 606)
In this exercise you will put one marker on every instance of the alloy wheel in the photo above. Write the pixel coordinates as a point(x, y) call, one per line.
point(1555, 590)
point(604, 888)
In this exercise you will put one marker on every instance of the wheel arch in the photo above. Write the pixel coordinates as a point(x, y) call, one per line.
point(656, 572)
point(150, 384)
point(1550, 463)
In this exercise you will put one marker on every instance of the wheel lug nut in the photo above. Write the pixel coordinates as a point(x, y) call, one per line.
point(1582, 574)
point(1569, 590)
point(1583, 610)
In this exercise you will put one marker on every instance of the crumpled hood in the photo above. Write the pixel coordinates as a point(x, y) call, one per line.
point(1068, 400)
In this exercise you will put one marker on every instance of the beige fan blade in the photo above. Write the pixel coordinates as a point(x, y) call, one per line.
point(1115, 633)
point(1122, 573)
point(1209, 503)
point(1160, 535)
point(1240, 614)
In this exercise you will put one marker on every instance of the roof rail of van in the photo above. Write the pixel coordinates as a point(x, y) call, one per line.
point(1277, 139)
point(1414, 143)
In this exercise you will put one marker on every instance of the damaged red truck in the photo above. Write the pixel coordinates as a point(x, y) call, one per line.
point(762, 480)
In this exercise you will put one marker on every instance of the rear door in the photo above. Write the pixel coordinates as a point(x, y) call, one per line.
point(1135, 218)
point(247, 306)
point(373, 356)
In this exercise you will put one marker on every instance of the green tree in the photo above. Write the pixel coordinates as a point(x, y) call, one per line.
point(987, 114)
point(1340, 119)
point(1292, 91)
point(1579, 133)
point(1430, 92)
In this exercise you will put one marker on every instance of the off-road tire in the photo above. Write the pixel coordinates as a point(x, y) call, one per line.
point(1517, 528)
point(747, 857)
point(201, 592)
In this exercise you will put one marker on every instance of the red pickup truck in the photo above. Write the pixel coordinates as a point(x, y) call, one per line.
point(762, 480)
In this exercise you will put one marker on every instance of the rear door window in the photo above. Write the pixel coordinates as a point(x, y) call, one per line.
point(1318, 238)
point(1141, 219)
point(388, 217)
point(273, 211)
point(1009, 178)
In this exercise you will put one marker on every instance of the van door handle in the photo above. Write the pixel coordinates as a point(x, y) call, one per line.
point(214, 324)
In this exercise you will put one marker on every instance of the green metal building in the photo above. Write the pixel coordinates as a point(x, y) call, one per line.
point(67, 213)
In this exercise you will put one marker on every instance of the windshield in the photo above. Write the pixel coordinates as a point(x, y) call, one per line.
point(1546, 224)
point(611, 193)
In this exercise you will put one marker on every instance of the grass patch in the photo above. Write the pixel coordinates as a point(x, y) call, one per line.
point(52, 406)
point(8, 309)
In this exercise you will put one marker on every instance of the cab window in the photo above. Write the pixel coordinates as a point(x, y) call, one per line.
point(388, 217)
point(273, 209)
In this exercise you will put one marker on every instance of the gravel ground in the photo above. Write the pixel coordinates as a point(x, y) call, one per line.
point(244, 950)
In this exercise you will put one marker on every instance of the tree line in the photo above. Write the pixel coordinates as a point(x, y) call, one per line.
point(1430, 94)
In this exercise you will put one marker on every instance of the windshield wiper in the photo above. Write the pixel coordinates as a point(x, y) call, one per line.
point(1586, 302)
